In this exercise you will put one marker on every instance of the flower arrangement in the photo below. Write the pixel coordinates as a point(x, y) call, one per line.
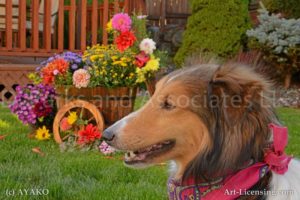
point(110, 67)
point(145, 60)
point(61, 70)
point(79, 132)
point(129, 61)
point(35, 105)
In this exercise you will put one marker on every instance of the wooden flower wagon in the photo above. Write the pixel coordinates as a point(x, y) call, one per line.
point(99, 106)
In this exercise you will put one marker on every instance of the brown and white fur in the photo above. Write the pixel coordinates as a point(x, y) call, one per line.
point(205, 119)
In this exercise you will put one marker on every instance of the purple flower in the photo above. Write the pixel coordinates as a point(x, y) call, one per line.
point(106, 149)
point(74, 67)
point(27, 97)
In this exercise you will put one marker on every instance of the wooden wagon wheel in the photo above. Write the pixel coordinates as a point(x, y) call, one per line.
point(77, 106)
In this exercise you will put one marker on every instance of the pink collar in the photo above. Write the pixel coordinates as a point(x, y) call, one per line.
point(235, 185)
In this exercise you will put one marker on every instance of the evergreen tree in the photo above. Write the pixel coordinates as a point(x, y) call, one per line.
point(215, 26)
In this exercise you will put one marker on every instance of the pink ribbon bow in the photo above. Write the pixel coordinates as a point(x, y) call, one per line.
point(277, 160)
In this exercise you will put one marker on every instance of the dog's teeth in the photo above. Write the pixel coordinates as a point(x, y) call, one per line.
point(149, 149)
point(130, 155)
point(127, 158)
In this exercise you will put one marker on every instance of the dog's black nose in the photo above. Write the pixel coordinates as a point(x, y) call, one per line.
point(108, 135)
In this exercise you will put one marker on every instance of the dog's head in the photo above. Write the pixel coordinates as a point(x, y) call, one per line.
point(208, 119)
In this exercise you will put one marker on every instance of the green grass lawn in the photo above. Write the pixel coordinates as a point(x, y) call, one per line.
point(85, 175)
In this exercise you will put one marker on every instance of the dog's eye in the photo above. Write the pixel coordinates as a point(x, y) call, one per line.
point(167, 105)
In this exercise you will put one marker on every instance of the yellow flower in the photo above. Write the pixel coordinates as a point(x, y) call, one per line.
point(152, 65)
point(72, 118)
point(42, 133)
point(140, 76)
point(109, 27)
point(34, 78)
point(117, 62)
point(114, 57)
point(123, 64)
point(125, 59)
point(94, 58)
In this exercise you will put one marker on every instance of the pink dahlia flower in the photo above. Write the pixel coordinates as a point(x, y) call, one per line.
point(121, 22)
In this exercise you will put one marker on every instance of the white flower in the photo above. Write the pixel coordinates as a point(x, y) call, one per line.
point(81, 78)
point(142, 16)
point(147, 45)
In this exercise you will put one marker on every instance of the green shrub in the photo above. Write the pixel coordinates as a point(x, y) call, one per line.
point(290, 8)
point(215, 26)
point(279, 39)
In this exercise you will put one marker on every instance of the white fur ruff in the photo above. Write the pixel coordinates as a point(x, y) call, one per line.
point(287, 186)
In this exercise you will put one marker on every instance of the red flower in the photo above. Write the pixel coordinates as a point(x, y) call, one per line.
point(141, 59)
point(42, 109)
point(88, 135)
point(125, 40)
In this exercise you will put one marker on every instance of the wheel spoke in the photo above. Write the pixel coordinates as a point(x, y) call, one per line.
point(66, 137)
point(93, 117)
point(81, 112)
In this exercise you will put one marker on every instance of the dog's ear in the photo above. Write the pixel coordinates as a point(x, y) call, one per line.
point(233, 92)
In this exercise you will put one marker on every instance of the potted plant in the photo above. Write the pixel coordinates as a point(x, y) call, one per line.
point(105, 75)
point(132, 33)
point(113, 80)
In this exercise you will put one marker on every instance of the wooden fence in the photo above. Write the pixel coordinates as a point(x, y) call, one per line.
point(49, 26)
point(163, 12)
point(44, 27)
point(11, 77)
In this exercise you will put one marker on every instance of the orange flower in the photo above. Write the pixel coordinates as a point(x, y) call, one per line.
point(125, 40)
point(56, 67)
point(64, 124)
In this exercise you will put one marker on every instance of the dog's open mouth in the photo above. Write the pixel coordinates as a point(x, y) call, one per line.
point(142, 155)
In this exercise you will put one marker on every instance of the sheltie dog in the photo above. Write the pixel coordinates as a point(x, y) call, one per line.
point(217, 127)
